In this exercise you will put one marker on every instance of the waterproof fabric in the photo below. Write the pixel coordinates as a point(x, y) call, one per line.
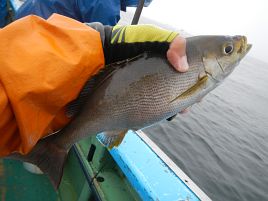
point(134, 3)
point(43, 66)
point(3, 12)
point(105, 11)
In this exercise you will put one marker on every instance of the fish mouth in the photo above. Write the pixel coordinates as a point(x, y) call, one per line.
point(249, 46)
point(244, 46)
point(245, 51)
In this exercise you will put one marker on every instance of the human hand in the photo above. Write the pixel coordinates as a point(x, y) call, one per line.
point(176, 54)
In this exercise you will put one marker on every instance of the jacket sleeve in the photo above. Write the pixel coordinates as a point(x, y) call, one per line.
point(105, 11)
point(124, 42)
point(43, 66)
point(128, 41)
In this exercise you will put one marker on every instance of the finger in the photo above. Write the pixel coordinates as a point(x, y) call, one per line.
point(182, 64)
point(176, 54)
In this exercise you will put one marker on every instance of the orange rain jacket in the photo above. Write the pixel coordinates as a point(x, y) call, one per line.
point(43, 66)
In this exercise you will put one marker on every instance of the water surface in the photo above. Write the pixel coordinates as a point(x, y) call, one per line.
point(222, 143)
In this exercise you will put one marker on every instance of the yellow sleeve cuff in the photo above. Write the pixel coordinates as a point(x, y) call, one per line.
point(141, 33)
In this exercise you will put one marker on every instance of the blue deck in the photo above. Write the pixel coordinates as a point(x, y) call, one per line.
point(148, 174)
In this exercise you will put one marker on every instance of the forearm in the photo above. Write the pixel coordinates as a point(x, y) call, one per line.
point(122, 42)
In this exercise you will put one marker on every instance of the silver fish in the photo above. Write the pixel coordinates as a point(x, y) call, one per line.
point(137, 93)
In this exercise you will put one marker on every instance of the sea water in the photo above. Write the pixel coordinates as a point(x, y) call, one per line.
point(222, 142)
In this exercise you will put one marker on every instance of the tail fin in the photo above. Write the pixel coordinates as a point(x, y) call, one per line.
point(49, 157)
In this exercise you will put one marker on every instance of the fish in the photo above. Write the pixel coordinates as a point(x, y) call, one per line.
point(136, 93)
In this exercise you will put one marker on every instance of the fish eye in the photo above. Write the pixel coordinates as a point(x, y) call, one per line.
point(228, 49)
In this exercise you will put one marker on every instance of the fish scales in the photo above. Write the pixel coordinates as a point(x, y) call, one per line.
point(136, 96)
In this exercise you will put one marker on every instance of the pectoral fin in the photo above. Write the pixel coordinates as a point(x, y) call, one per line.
point(189, 92)
point(111, 139)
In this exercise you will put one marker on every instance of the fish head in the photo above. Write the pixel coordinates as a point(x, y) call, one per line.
point(220, 54)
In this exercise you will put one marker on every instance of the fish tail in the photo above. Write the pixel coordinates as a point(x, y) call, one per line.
point(49, 157)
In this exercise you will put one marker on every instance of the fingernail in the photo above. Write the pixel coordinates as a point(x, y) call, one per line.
point(183, 64)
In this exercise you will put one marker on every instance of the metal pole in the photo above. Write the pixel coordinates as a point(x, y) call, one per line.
point(138, 11)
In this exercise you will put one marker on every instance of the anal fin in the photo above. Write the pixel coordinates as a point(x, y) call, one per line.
point(49, 157)
point(111, 139)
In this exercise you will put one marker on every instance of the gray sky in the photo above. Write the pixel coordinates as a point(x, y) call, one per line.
point(231, 17)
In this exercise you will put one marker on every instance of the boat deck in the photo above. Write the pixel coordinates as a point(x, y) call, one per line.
point(18, 184)
point(136, 170)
